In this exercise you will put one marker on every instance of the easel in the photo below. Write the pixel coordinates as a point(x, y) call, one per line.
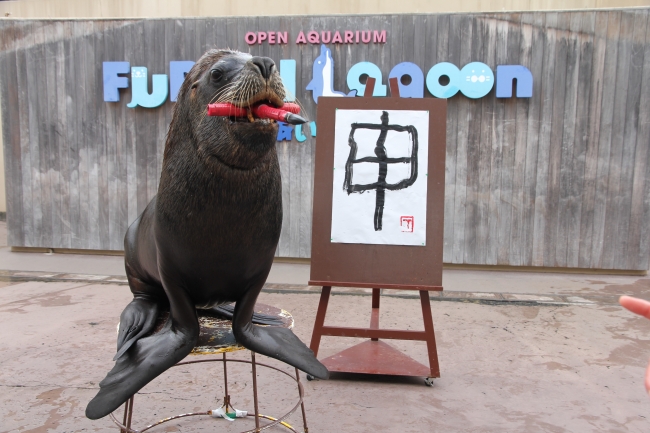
point(375, 356)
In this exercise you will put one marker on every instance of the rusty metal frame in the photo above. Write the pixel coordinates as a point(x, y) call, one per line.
point(125, 425)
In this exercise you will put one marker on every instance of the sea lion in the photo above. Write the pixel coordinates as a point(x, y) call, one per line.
point(210, 234)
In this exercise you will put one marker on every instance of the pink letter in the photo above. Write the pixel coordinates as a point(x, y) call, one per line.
point(261, 36)
point(380, 38)
point(313, 37)
point(282, 37)
point(365, 38)
point(271, 38)
point(251, 38)
point(337, 38)
point(301, 38)
point(322, 37)
point(348, 37)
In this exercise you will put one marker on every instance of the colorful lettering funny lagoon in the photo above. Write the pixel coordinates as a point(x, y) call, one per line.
point(443, 80)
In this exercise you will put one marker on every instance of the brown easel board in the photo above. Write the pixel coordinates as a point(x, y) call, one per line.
point(337, 263)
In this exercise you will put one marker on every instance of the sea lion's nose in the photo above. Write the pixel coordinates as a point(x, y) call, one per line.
point(265, 65)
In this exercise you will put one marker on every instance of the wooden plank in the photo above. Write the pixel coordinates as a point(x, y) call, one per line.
point(72, 60)
point(282, 147)
point(297, 157)
point(638, 252)
point(585, 44)
point(116, 149)
point(92, 129)
point(520, 55)
point(11, 135)
point(549, 37)
point(306, 151)
point(496, 154)
point(143, 125)
point(632, 107)
point(150, 135)
point(200, 41)
point(593, 131)
point(102, 145)
point(473, 253)
point(454, 110)
point(188, 50)
point(284, 158)
point(615, 188)
point(40, 192)
point(605, 139)
point(567, 217)
point(442, 55)
point(507, 45)
point(134, 178)
point(557, 129)
point(532, 56)
point(585, 31)
point(487, 37)
point(49, 149)
point(63, 173)
point(23, 107)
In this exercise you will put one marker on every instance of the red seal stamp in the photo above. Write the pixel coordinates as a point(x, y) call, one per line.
point(406, 222)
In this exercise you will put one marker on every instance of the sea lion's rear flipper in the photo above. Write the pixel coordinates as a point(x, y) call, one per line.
point(136, 321)
point(227, 311)
point(148, 357)
point(278, 343)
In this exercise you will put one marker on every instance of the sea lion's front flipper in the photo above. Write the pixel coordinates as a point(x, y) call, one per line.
point(148, 357)
point(278, 343)
point(136, 321)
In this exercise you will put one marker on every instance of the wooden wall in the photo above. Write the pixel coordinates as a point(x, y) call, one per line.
point(561, 179)
point(221, 8)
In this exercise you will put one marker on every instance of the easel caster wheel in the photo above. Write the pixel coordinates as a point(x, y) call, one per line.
point(428, 381)
point(310, 377)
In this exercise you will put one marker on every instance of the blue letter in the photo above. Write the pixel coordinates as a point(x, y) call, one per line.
point(299, 135)
point(371, 70)
point(477, 80)
point(140, 96)
point(443, 69)
point(507, 73)
point(312, 128)
point(112, 82)
point(177, 71)
point(415, 89)
point(288, 75)
point(284, 132)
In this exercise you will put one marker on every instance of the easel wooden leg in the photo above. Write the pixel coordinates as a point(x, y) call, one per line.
point(320, 319)
point(374, 314)
point(430, 335)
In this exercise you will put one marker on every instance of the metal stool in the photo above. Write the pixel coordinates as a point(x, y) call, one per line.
point(215, 338)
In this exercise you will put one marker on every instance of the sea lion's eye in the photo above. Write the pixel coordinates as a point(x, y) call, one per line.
point(216, 75)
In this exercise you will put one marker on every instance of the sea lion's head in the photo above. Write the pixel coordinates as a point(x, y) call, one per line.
point(237, 78)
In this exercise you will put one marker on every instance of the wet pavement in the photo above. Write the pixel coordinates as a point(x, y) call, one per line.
point(518, 352)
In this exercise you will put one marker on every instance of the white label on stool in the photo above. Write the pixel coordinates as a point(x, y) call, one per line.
point(221, 413)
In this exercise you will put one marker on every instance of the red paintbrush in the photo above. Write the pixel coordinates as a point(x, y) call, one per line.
point(288, 113)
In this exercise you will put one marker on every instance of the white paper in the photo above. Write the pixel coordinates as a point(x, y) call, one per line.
point(404, 212)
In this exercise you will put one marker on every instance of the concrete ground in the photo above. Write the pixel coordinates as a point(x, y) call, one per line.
point(513, 358)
